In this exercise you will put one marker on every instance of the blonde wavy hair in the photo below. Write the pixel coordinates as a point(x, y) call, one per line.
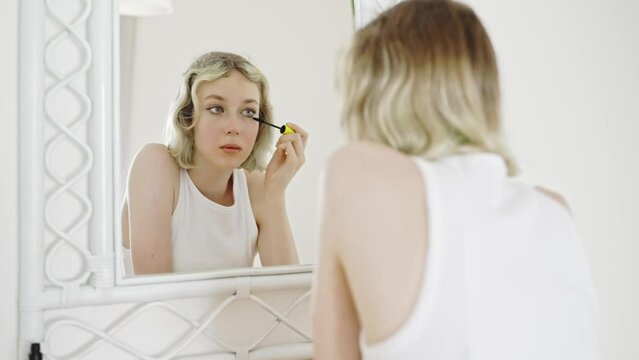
point(182, 119)
point(422, 78)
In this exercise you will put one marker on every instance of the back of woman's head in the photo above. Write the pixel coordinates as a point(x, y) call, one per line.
point(422, 78)
point(183, 115)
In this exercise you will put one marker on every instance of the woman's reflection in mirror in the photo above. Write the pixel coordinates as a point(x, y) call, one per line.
point(212, 197)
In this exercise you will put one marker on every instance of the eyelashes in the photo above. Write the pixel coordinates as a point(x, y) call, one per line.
point(218, 110)
point(215, 109)
point(249, 112)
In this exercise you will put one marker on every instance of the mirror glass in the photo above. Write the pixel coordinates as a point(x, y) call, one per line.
point(295, 45)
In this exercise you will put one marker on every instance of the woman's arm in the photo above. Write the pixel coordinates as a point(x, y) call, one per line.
point(275, 242)
point(148, 209)
point(336, 325)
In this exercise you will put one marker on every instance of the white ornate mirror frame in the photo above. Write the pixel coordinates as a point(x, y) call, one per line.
point(74, 301)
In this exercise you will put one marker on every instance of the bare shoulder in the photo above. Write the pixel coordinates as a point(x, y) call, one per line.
point(555, 196)
point(155, 159)
point(154, 168)
point(156, 155)
point(368, 186)
point(364, 165)
point(254, 178)
point(255, 184)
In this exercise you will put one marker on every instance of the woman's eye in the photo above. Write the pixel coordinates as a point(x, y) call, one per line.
point(249, 112)
point(215, 109)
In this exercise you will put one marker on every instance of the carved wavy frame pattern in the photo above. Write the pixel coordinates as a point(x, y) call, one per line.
point(93, 33)
point(68, 132)
point(197, 328)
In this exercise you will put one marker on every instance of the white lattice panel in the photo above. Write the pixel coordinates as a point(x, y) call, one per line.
point(211, 328)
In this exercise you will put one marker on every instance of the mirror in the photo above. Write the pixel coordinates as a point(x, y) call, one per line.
point(296, 46)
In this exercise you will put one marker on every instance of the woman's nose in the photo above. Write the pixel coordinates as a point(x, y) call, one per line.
point(233, 125)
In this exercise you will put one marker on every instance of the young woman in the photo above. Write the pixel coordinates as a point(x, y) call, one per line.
point(428, 249)
point(210, 198)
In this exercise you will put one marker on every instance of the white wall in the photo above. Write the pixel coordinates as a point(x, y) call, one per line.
point(570, 74)
point(8, 179)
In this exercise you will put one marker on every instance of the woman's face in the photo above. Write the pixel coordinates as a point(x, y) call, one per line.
point(225, 131)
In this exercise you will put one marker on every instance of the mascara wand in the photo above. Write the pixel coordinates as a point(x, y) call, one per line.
point(284, 129)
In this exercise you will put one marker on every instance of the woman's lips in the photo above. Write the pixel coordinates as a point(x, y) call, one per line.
point(230, 148)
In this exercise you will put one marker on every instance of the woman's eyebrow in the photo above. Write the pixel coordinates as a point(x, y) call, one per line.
point(214, 96)
point(221, 98)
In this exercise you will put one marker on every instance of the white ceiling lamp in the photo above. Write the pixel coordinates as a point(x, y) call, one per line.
point(146, 7)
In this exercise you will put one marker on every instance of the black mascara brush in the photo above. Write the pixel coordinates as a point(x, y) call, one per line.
point(284, 129)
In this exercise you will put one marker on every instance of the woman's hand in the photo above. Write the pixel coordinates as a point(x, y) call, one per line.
point(287, 159)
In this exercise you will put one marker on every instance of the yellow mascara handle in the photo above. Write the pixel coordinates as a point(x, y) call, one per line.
point(288, 130)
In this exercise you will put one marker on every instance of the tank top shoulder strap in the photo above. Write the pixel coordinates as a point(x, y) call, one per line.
point(182, 198)
point(240, 186)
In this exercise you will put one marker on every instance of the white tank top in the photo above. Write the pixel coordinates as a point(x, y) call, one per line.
point(505, 276)
point(207, 235)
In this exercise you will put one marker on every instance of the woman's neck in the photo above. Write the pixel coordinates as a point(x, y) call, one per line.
point(215, 184)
